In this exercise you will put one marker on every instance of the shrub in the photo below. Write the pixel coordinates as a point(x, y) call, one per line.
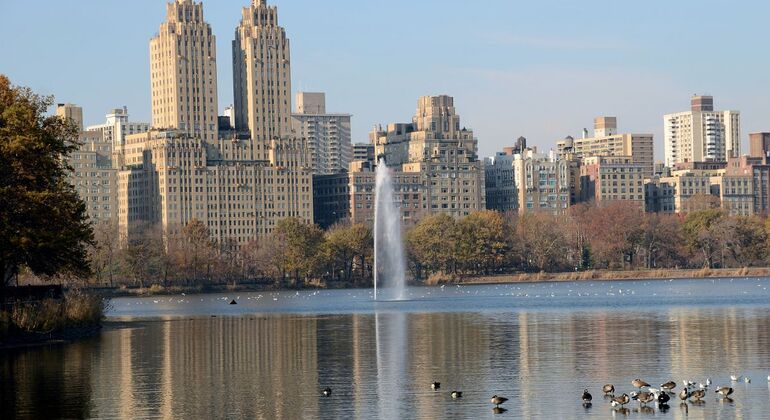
point(43, 316)
point(82, 308)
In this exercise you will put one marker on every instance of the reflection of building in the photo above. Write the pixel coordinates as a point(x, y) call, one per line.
point(239, 183)
point(701, 134)
point(327, 135)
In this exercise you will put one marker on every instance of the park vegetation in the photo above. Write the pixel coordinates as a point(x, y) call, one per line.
point(612, 237)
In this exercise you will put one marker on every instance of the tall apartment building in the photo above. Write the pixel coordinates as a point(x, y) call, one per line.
point(612, 178)
point(542, 183)
point(117, 127)
point(499, 185)
point(71, 112)
point(363, 152)
point(441, 153)
point(408, 192)
point(327, 135)
point(607, 142)
point(240, 183)
point(183, 72)
point(701, 134)
point(759, 144)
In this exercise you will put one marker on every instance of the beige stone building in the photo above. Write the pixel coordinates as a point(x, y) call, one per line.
point(543, 183)
point(438, 154)
point(239, 183)
point(327, 134)
point(612, 178)
point(71, 112)
point(607, 142)
point(701, 134)
point(408, 192)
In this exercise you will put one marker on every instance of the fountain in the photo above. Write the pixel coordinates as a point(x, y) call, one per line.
point(389, 262)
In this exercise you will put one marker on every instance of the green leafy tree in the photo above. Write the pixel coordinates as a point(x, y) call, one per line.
point(432, 245)
point(483, 241)
point(43, 223)
point(297, 245)
point(701, 232)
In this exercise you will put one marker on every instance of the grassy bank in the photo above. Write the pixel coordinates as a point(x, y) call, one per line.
point(663, 274)
point(77, 314)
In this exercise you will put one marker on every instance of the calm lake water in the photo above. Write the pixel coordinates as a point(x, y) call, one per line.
point(196, 356)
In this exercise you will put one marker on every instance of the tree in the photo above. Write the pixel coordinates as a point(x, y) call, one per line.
point(43, 222)
point(103, 253)
point(432, 244)
point(198, 250)
point(297, 245)
point(482, 241)
point(615, 232)
point(743, 240)
point(661, 241)
point(541, 241)
point(700, 232)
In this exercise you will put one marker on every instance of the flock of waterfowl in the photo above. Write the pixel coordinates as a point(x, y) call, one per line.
point(645, 394)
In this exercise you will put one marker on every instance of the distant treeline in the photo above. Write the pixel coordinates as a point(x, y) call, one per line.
point(617, 236)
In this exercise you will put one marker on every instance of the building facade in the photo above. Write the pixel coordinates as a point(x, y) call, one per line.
point(759, 145)
point(500, 188)
point(607, 142)
point(542, 183)
point(71, 112)
point(701, 134)
point(363, 152)
point(328, 135)
point(612, 178)
point(331, 199)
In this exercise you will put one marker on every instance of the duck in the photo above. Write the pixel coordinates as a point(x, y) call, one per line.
point(609, 389)
point(668, 386)
point(638, 383)
point(497, 400)
point(621, 400)
point(724, 391)
point(587, 397)
point(457, 394)
point(698, 394)
point(435, 385)
point(327, 392)
point(684, 394)
point(663, 398)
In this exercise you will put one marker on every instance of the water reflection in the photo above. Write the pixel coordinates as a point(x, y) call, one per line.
point(382, 364)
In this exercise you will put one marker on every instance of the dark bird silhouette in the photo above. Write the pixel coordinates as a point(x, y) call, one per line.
point(233, 302)
point(587, 397)
point(435, 385)
point(327, 392)
point(498, 400)
point(663, 398)
point(457, 394)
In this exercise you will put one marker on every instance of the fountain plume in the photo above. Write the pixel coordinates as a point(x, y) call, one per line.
point(389, 261)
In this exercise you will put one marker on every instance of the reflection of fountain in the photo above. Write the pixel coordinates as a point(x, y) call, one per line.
point(391, 339)
point(389, 263)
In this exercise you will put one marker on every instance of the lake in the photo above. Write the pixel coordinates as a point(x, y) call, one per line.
point(537, 344)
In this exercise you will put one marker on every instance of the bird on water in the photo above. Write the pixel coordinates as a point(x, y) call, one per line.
point(497, 400)
point(327, 392)
point(587, 397)
point(621, 400)
point(724, 391)
point(684, 394)
point(457, 394)
point(608, 389)
point(698, 394)
point(435, 385)
point(668, 386)
point(638, 383)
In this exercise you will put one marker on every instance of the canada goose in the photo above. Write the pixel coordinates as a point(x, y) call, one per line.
point(457, 394)
point(498, 400)
point(621, 400)
point(668, 386)
point(698, 394)
point(684, 394)
point(724, 391)
point(638, 383)
point(327, 392)
point(644, 397)
point(587, 396)
point(435, 385)
point(609, 389)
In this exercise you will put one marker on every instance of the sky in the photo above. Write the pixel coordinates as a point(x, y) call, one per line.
point(540, 69)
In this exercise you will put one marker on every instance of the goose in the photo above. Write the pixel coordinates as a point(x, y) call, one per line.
point(621, 400)
point(609, 389)
point(698, 394)
point(435, 385)
point(457, 394)
point(498, 400)
point(587, 397)
point(668, 386)
point(724, 391)
point(327, 392)
point(638, 383)
point(684, 394)
point(644, 397)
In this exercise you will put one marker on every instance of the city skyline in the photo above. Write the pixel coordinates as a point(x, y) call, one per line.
point(514, 77)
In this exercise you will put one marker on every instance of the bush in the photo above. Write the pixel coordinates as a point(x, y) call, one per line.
point(76, 309)
point(43, 316)
point(82, 308)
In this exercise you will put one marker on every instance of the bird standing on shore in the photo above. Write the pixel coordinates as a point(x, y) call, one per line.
point(587, 397)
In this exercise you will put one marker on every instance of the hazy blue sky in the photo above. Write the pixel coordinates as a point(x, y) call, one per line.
point(542, 69)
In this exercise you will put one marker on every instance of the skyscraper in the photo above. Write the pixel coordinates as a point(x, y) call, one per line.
point(327, 135)
point(183, 72)
point(702, 134)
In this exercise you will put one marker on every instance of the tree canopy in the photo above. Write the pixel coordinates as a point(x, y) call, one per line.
point(43, 223)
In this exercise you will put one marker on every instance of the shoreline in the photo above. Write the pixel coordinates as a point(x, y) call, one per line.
point(37, 339)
